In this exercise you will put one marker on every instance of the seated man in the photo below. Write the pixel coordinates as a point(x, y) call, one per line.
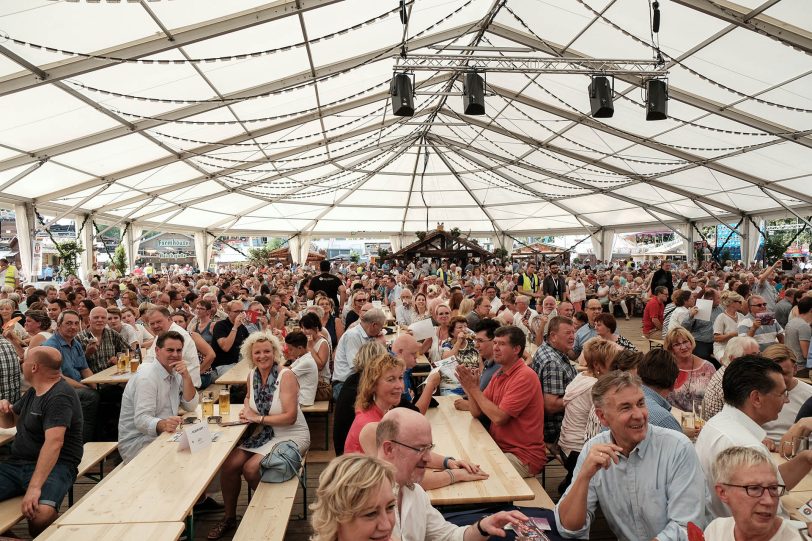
point(512, 401)
point(760, 325)
point(48, 447)
point(150, 402)
point(647, 479)
point(754, 391)
point(159, 322)
point(658, 372)
point(746, 481)
point(405, 348)
point(403, 439)
point(303, 365)
point(555, 372)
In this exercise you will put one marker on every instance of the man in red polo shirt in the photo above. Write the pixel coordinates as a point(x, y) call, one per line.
point(653, 313)
point(512, 401)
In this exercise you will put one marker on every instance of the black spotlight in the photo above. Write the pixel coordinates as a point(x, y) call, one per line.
point(401, 91)
point(473, 94)
point(656, 99)
point(600, 98)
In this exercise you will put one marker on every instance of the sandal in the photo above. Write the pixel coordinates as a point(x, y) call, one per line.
point(222, 527)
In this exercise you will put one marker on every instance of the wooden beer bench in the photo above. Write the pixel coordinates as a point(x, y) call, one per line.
point(268, 512)
point(322, 407)
point(542, 500)
point(94, 453)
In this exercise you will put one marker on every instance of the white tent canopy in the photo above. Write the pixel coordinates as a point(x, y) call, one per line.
point(159, 114)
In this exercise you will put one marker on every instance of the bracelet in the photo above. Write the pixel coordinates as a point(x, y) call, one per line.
point(451, 475)
point(446, 460)
point(262, 420)
point(482, 532)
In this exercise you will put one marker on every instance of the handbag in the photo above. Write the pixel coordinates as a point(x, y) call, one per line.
point(324, 390)
point(282, 463)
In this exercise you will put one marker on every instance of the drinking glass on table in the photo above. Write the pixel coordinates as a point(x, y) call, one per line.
point(225, 401)
point(207, 405)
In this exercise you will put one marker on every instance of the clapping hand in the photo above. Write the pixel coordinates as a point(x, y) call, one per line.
point(468, 378)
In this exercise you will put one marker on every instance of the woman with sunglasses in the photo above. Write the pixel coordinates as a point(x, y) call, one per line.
point(359, 298)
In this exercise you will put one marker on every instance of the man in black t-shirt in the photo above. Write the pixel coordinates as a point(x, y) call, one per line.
point(227, 337)
point(330, 284)
point(48, 446)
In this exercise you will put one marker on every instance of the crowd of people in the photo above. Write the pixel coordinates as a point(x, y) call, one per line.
point(539, 360)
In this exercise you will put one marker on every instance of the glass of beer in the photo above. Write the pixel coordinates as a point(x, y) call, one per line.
point(208, 405)
point(134, 363)
point(121, 364)
point(225, 401)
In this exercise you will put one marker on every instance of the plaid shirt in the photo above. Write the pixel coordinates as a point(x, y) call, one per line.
point(9, 371)
point(111, 344)
point(555, 372)
point(714, 399)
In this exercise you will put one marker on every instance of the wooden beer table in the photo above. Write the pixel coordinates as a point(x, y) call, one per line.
point(455, 433)
point(108, 376)
point(7, 435)
point(161, 484)
point(154, 531)
point(236, 375)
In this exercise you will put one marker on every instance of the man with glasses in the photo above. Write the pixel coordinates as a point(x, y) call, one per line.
point(761, 324)
point(586, 332)
point(403, 438)
point(370, 327)
point(227, 337)
point(160, 321)
point(747, 482)
point(755, 392)
point(483, 340)
point(153, 395)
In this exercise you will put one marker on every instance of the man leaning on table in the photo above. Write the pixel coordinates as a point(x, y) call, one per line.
point(512, 402)
point(153, 395)
point(47, 449)
point(403, 439)
point(647, 479)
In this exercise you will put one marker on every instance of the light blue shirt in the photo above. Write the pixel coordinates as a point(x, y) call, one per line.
point(584, 333)
point(351, 341)
point(151, 395)
point(654, 492)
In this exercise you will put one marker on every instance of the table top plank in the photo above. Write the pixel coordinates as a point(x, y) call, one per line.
point(236, 375)
point(457, 434)
point(161, 484)
point(108, 376)
point(154, 531)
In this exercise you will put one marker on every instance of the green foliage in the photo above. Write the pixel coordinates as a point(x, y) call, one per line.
point(500, 254)
point(455, 232)
point(259, 257)
point(774, 247)
point(420, 234)
point(355, 257)
point(274, 244)
point(383, 253)
point(120, 259)
point(69, 252)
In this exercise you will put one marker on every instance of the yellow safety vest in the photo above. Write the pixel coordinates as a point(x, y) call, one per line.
point(530, 283)
point(11, 276)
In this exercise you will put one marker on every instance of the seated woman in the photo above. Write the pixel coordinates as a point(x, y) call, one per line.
point(205, 353)
point(379, 390)
point(355, 500)
point(319, 348)
point(344, 408)
point(460, 344)
point(272, 408)
point(747, 482)
point(606, 327)
point(694, 372)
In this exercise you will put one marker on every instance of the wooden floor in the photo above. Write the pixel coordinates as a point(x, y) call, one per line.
point(299, 529)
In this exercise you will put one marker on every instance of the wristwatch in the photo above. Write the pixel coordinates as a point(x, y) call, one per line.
point(446, 460)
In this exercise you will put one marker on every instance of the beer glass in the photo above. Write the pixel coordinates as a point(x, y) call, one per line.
point(208, 405)
point(121, 364)
point(225, 402)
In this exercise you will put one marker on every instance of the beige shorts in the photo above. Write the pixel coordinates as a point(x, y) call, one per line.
point(520, 467)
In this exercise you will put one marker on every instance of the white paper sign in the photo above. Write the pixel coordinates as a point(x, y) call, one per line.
point(310, 303)
point(195, 438)
point(377, 304)
point(448, 367)
point(422, 329)
point(704, 306)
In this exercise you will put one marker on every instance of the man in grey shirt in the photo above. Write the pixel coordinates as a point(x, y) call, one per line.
point(798, 332)
point(151, 399)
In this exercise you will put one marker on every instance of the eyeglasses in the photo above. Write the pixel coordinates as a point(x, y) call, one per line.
point(419, 450)
point(759, 305)
point(756, 491)
point(784, 394)
point(482, 340)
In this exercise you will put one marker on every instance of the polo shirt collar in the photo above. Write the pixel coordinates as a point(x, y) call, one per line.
point(509, 371)
point(641, 447)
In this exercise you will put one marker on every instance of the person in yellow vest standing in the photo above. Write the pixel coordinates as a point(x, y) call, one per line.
point(530, 285)
point(444, 274)
point(8, 274)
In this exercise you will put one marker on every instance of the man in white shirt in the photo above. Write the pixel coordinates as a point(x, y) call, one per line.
point(370, 326)
point(403, 438)
point(151, 399)
point(754, 392)
point(160, 322)
point(304, 366)
point(798, 391)
point(524, 314)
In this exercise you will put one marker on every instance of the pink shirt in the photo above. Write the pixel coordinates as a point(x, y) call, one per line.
point(371, 415)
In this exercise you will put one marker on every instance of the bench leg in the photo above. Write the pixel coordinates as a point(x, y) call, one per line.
point(327, 431)
point(70, 497)
point(303, 481)
point(190, 526)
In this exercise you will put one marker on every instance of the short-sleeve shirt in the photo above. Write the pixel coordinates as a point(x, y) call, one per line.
point(111, 344)
point(329, 284)
point(58, 406)
point(796, 331)
point(517, 392)
point(221, 330)
point(73, 356)
point(766, 335)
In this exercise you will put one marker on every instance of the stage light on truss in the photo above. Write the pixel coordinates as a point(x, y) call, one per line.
point(402, 95)
point(656, 99)
point(600, 97)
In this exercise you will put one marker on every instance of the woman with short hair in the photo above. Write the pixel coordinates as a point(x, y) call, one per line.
point(694, 372)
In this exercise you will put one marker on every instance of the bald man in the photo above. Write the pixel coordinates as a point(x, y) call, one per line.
point(46, 452)
point(102, 344)
point(403, 438)
point(405, 348)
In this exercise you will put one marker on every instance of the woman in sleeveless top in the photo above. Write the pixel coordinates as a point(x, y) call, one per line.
point(272, 408)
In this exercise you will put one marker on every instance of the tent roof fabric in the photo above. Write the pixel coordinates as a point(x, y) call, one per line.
point(256, 117)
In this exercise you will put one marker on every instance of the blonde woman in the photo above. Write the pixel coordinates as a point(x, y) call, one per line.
point(726, 324)
point(272, 408)
point(694, 372)
point(355, 500)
